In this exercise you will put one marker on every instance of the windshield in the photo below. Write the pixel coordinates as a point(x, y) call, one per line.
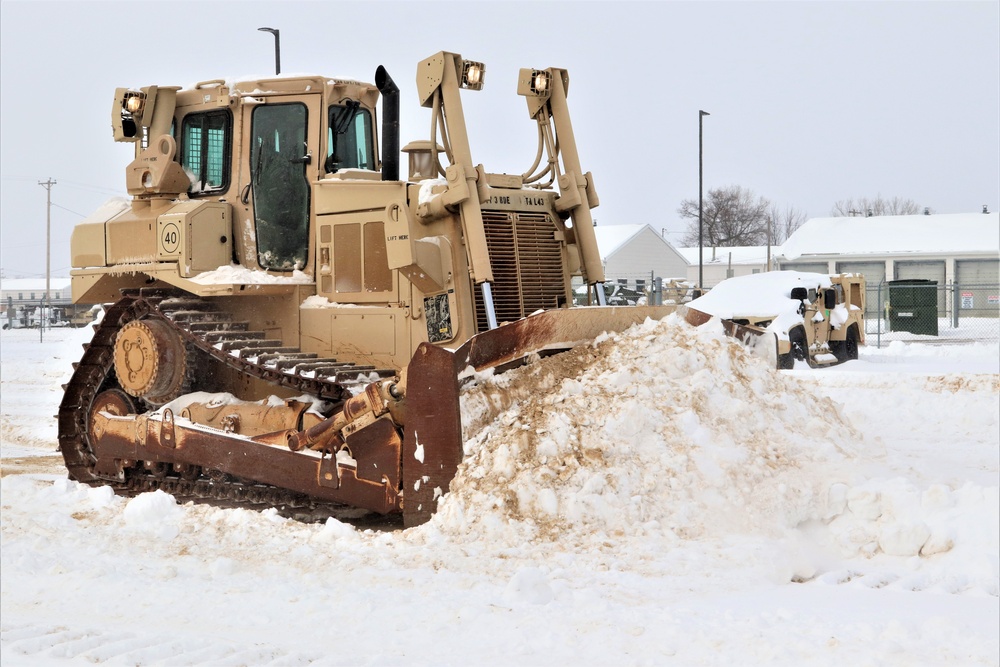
point(349, 138)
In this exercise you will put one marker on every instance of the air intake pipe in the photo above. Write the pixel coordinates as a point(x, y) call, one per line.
point(390, 124)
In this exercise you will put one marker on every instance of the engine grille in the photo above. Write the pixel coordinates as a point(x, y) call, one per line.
point(527, 265)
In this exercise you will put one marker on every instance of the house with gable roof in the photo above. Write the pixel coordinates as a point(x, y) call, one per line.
point(632, 254)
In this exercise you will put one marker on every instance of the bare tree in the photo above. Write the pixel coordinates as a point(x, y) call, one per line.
point(784, 221)
point(733, 216)
point(867, 207)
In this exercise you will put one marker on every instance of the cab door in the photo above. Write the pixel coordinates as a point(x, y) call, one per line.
point(281, 164)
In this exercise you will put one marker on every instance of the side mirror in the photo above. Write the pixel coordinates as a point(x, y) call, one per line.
point(800, 293)
point(830, 299)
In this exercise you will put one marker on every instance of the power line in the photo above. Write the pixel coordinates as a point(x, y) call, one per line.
point(73, 184)
point(69, 209)
point(88, 186)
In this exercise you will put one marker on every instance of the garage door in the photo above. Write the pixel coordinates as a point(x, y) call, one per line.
point(978, 281)
point(925, 271)
point(807, 267)
point(874, 273)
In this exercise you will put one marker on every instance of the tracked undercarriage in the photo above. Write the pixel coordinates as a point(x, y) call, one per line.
point(160, 345)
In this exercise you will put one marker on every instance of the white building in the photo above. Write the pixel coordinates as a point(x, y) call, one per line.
point(21, 302)
point(30, 291)
point(717, 264)
point(632, 254)
point(959, 249)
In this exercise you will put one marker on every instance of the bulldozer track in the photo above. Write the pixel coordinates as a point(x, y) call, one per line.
point(203, 328)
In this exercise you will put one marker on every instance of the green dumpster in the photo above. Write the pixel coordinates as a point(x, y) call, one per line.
point(913, 306)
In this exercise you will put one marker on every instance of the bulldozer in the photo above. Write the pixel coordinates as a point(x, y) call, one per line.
point(288, 321)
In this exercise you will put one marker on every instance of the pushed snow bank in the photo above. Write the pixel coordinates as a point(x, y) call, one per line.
point(663, 429)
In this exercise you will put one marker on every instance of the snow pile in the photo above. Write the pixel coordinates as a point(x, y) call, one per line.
point(154, 514)
point(317, 301)
point(240, 275)
point(664, 430)
point(951, 529)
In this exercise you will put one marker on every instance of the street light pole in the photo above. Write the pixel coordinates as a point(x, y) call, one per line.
point(701, 224)
point(48, 247)
point(277, 48)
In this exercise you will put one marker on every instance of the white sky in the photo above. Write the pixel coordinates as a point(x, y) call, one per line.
point(811, 102)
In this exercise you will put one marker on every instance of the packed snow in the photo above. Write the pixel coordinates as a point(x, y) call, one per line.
point(656, 497)
point(240, 275)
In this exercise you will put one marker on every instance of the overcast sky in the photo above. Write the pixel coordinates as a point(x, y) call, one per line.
point(810, 102)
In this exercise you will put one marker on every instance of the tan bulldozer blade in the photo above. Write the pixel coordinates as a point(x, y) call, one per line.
point(752, 337)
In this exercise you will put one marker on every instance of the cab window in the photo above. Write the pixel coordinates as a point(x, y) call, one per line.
point(349, 138)
point(205, 142)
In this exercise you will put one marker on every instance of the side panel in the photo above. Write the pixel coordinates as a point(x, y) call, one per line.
point(196, 235)
point(362, 335)
point(352, 265)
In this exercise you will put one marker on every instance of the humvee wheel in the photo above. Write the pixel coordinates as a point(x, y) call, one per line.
point(798, 351)
point(851, 344)
point(847, 349)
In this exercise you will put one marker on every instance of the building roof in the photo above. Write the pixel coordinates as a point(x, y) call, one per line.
point(755, 254)
point(896, 234)
point(33, 284)
point(611, 238)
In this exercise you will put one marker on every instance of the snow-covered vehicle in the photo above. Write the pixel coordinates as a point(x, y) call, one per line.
point(814, 317)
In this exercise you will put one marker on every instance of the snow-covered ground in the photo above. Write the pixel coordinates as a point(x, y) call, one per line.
point(659, 497)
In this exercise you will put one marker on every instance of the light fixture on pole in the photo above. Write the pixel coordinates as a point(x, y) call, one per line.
point(701, 225)
point(277, 48)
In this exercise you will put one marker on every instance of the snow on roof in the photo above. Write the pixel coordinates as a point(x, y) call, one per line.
point(938, 233)
point(32, 284)
point(755, 254)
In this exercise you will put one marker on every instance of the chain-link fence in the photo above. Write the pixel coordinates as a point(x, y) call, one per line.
point(631, 289)
point(924, 311)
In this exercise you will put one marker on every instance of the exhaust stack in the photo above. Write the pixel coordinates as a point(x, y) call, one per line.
point(390, 124)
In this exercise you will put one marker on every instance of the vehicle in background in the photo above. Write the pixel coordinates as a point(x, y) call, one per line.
point(812, 317)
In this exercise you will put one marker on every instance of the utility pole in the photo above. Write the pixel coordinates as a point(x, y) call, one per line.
point(48, 251)
point(768, 269)
point(701, 224)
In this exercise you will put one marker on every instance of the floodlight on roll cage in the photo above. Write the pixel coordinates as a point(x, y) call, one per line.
point(473, 75)
point(539, 82)
point(134, 102)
